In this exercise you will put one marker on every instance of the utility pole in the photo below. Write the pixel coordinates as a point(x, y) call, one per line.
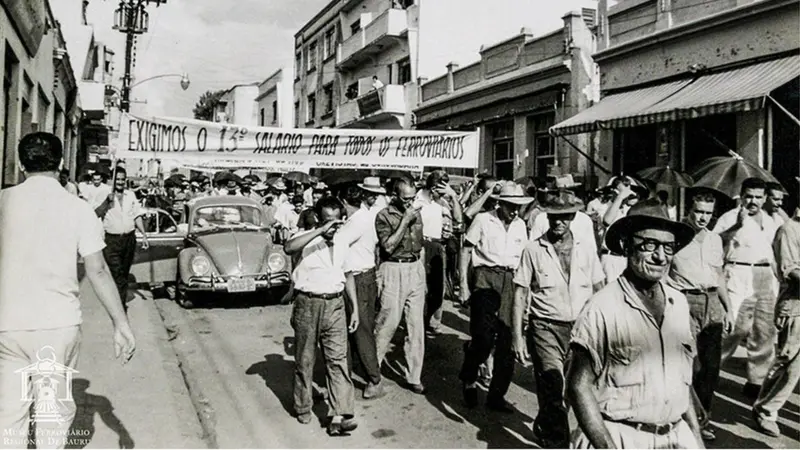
point(132, 19)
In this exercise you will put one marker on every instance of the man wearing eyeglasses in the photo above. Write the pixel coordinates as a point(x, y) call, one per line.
point(401, 278)
point(632, 345)
point(697, 272)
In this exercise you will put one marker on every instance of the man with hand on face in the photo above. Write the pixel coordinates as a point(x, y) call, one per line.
point(632, 349)
point(401, 279)
point(121, 216)
point(696, 271)
point(493, 243)
point(747, 233)
point(562, 271)
point(319, 317)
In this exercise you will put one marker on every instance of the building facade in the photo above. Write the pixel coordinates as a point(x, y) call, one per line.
point(518, 89)
point(355, 66)
point(238, 105)
point(685, 80)
point(275, 100)
point(39, 90)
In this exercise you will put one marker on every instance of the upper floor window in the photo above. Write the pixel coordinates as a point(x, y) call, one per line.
point(311, 111)
point(355, 26)
point(298, 64)
point(274, 111)
point(402, 4)
point(327, 92)
point(311, 57)
point(404, 71)
point(330, 42)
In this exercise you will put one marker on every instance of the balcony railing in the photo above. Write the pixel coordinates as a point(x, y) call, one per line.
point(391, 24)
point(390, 99)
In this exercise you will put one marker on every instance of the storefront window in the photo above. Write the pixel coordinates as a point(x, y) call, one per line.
point(503, 149)
point(635, 148)
point(707, 137)
point(544, 149)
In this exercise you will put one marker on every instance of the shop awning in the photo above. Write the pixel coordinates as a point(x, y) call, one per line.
point(736, 90)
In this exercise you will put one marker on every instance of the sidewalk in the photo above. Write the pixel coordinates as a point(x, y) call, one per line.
point(142, 404)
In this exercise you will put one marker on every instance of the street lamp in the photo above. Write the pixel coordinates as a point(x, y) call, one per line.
point(184, 79)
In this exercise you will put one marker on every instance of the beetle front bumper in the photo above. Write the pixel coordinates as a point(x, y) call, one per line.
point(224, 284)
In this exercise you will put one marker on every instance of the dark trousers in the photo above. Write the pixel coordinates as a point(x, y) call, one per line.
point(362, 342)
point(119, 252)
point(492, 286)
point(434, 279)
point(548, 342)
point(318, 321)
point(706, 314)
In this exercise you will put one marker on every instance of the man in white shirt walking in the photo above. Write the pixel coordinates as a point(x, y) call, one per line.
point(319, 317)
point(120, 213)
point(43, 230)
point(96, 191)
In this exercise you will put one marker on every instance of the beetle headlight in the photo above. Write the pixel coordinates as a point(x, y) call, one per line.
point(201, 265)
point(276, 262)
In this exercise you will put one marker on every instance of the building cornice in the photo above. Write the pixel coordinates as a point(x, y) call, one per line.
point(687, 29)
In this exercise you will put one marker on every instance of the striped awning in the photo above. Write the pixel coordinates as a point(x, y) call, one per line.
point(736, 90)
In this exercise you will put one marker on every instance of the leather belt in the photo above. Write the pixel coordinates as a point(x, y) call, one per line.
point(360, 272)
point(121, 234)
point(710, 290)
point(649, 427)
point(408, 259)
point(738, 263)
point(321, 296)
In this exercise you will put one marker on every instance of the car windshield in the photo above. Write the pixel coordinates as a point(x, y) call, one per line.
point(215, 217)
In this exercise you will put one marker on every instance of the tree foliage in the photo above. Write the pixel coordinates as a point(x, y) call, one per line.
point(204, 108)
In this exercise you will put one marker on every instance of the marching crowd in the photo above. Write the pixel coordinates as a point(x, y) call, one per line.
point(625, 314)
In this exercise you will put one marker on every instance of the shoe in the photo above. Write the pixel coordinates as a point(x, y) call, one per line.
point(417, 388)
point(751, 390)
point(374, 391)
point(470, 395)
point(304, 418)
point(766, 426)
point(708, 434)
point(499, 405)
point(341, 427)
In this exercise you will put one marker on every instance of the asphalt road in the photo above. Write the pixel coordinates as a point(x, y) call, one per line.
point(238, 361)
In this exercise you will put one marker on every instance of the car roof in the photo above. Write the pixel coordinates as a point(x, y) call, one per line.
point(223, 200)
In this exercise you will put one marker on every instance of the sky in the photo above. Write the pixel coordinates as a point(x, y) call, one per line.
point(219, 43)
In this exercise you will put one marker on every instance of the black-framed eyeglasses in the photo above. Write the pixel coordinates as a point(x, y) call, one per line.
point(651, 245)
point(408, 199)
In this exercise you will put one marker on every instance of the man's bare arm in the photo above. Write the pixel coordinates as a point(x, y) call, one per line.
point(103, 283)
point(580, 394)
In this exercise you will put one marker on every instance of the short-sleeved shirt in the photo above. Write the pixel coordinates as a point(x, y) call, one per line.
point(43, 230)
point(556, 294)
point(121, 216)
point(359, 234)
point(697, 266)
point(95, 195)
point(787, 254)
point(386, 223)
point(432, 215)
point(752, 243)
point(320, 269)
point(582, 227)
point(644, 372)
point(493, 244)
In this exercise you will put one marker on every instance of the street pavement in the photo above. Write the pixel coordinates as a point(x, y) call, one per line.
point(237, 358)
point(143, 403)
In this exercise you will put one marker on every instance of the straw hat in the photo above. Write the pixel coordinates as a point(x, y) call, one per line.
point(372, 184)
point(648, 214)
point(564, 203)
point(512, 193)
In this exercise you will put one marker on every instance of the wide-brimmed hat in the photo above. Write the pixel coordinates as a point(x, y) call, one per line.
point(648, 214)
point(372, 184)
point(259, 186)
point(279, 184)
point(319, 186)
point(637, 186)
point(559, 183)
point(512, 193)
point(564, 203)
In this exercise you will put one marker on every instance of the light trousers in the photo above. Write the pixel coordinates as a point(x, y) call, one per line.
point(625, 436)
point(402, 295)
point(784, 374)
point(36, 369)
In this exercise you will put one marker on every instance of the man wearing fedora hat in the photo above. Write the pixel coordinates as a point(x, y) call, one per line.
point(493, 244)
point(581, 226)
point(359, 234)
point(630, 373)
point(559, 271)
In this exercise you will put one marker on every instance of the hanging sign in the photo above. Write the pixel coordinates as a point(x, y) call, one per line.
point(321, 148)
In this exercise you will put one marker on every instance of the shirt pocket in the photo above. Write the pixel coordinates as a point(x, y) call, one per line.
point(625, 368)
point(687, 353)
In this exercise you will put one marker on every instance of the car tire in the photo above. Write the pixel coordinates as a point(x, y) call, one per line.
point(183, 298)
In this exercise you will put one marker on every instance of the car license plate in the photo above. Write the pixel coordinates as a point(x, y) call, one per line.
point(241, 285)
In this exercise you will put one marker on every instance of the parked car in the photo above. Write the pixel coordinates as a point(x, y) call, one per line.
point(221, 247)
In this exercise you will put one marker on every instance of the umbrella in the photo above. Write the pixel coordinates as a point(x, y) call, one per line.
point(298, 177)
point(726, 173)
point(225, 176)
point(666, 175)
point(341, 176)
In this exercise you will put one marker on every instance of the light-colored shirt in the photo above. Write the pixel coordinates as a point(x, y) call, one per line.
point(787, 254)
point(71, 188)
point(597, 207)
point(582, 227)
point(120, 218)
point(287, 216)
point(644, 372)
point(359, 234)
point(43, 230)
point(320, 269)
point(556, 294)
point(698, 265)
point(493, 245)
point(95, 195)
point(752, 243)
point(432, 214)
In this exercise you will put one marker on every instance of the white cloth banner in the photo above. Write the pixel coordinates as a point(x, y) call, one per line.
point(179, 138)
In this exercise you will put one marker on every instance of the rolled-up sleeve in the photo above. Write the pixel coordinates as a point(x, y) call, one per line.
point(589, 333)
point(383, 228)
point(525, 272)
